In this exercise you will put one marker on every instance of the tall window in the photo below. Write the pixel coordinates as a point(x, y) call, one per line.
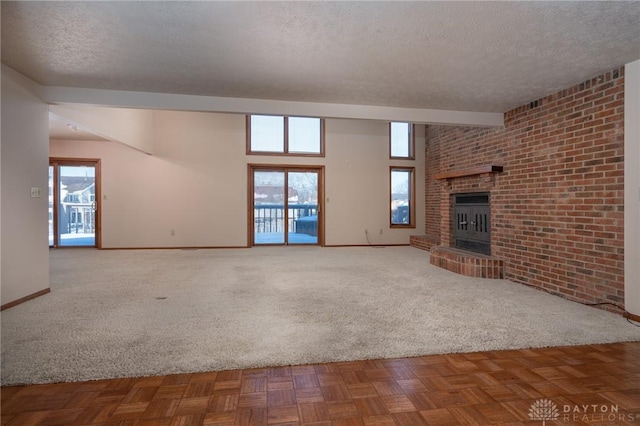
point(284, 135)
point(402, 197)
point(401, 140)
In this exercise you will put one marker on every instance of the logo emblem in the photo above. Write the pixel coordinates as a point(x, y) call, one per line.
point(543, 409)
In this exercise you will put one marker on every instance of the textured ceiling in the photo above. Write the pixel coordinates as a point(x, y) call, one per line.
point(471, 56)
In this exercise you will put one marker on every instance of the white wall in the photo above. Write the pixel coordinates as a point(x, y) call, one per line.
point(632, 187)
point(132, 127)
point(357, 183)
point(196, 183)
point(24, 220)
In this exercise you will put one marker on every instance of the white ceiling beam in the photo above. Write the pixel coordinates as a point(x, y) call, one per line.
point(176, 102)
point(33, 87)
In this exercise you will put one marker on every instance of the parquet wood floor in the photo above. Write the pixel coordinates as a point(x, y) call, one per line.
point(601, 382)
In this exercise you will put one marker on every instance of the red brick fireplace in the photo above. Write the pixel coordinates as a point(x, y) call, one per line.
point(557, 206)
point(465, 226)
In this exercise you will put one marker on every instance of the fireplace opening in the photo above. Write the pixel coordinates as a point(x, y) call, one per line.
point(471, 222)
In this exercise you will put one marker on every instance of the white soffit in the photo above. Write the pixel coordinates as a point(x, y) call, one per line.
point(124, 99)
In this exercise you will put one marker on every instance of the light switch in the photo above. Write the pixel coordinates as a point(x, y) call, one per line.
point(35, 192)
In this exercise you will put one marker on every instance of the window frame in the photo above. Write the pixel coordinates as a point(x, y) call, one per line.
point(285, 152)
point(412, 196)
point(411, 141)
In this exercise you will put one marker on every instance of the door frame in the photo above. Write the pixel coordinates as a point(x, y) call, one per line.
point(251, 168)
point(56, 162)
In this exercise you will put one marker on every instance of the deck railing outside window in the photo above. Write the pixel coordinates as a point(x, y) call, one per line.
point(269, 218)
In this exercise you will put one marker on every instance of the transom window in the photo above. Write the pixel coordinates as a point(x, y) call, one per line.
point(401, 140)
point(284, 135)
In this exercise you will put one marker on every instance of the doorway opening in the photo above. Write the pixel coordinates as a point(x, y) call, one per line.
point(285, 205)
point(74, 195)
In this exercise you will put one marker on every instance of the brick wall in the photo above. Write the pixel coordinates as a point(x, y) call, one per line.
point(432, 186)
point(557, 208)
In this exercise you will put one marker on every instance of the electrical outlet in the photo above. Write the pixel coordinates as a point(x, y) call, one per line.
point(380, 231)
point(173, 232)
point(35, 192)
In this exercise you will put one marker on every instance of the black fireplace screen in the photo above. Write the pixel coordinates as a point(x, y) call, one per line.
point(471, 222)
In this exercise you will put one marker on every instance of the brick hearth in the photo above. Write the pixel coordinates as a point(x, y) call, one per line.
point(467, 263)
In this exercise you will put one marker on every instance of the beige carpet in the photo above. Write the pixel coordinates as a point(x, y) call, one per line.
point(145, 312)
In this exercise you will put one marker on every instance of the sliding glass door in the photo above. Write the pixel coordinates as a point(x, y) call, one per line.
point(285, 205)
point(73, 203)
point(269, 207)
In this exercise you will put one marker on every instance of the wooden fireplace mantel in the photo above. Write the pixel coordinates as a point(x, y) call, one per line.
point(469, 172)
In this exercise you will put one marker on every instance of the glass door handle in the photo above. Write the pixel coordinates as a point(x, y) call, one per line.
point(94, 206)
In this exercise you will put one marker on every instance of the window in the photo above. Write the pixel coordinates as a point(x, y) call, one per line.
point(401, 140)
point(268, 134)
point(304, 135)
point(402, 197)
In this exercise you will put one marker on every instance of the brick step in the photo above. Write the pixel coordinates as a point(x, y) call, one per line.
point(467, 263)
point(423, 242)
